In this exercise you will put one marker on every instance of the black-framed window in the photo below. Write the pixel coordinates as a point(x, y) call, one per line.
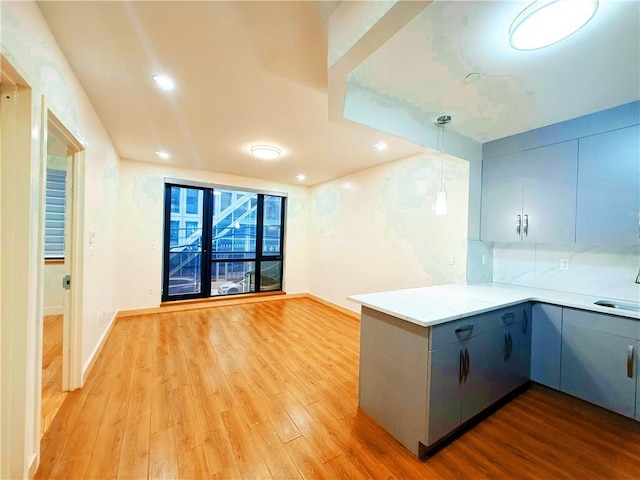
point(221, 241)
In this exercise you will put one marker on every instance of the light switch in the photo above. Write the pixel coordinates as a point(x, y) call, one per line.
point(92, 237)
point(450, 259)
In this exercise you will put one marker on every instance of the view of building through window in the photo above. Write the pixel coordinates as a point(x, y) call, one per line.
point(244, 231)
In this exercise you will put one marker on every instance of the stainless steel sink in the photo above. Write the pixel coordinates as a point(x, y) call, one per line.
point(619, 305)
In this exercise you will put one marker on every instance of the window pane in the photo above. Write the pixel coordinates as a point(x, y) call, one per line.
point(272, 228)
point(228, 278)
point(185, 241)
point(270, 275)
point(175, 199)
point(55, 205)
point(234, 226)
point(193, 201)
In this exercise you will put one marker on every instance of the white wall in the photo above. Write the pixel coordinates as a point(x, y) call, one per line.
point(53, 291)
point(375, 230)
point(607, 271)
point(28, 45)
point(140, 225)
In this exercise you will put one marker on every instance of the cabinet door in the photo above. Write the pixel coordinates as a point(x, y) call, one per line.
point(608, 202)
point(594, 368)
point(444, 391)
point(501, 198)
point(549, 193)
point(519, 360)
point(485, 378)
point(546, 342)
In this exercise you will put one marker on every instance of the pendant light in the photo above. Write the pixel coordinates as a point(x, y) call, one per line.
point(440, 206)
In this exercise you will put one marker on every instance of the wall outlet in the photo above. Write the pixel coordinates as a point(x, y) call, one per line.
point(564, 264)
point(150, 290)
point(153, 245)
point(450, 259)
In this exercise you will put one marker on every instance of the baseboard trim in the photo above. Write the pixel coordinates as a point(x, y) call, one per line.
point(33, 465)
point(53, 311)
point(206, 303)
point(335, 306)
point(96, 352)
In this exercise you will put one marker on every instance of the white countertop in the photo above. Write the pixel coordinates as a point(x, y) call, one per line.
point(428, 306)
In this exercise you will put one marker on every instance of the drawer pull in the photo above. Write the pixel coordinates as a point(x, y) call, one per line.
point(630, 361)
point(466, 328)
point(508, 318)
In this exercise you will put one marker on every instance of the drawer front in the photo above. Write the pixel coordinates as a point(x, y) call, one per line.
point(601, 322)
point(465, 328)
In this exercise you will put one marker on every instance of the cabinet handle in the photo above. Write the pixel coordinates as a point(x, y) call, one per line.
point(467, 364)
point(508, 346)
point(518, 224)
point(526, 225)
point(466, 328)
point(461, 370)
point(525, 322)
point(508, 318)
point(630, 361)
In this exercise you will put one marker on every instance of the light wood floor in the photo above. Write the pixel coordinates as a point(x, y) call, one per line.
point(52, 394)
point(269, 390)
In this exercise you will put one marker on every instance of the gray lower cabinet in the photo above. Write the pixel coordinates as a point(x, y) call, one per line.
point(599, 359)
point(546, 344)
point(489, 357)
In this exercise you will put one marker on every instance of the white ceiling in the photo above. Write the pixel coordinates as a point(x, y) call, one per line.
point(255, 72)
point(424, 66)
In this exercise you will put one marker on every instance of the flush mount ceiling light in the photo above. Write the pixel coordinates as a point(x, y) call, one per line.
point(380, 146)
point(163, 155)
point(546, 22)
point(164, 82)
point(265, 152)
point(300, 177)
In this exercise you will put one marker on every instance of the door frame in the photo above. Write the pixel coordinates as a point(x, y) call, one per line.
point(74, 211)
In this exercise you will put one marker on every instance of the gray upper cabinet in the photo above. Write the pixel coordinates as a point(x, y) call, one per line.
point(501, 198)
point(530, 196)
point(608, 205)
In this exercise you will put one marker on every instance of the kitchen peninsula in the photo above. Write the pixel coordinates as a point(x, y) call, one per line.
point(434, 358)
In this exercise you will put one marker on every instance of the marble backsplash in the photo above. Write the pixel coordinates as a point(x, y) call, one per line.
point(607, 271)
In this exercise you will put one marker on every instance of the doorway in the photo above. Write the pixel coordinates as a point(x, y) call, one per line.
point(61, 275)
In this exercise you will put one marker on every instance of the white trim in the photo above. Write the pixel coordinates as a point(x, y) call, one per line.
point(96, 351)
point(34, 463)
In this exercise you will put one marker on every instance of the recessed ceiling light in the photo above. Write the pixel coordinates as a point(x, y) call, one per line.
point(164, 82)
point(300, 177)
point(163, 155)
point(546, 22)
point(265, 152)
point(380, 146)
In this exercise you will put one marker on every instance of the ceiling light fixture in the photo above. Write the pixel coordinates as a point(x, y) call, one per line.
point(380, 146)
point(163, 155)
point(164, 82)
point(546, 22)
point(300, 177)
point(265, 152)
